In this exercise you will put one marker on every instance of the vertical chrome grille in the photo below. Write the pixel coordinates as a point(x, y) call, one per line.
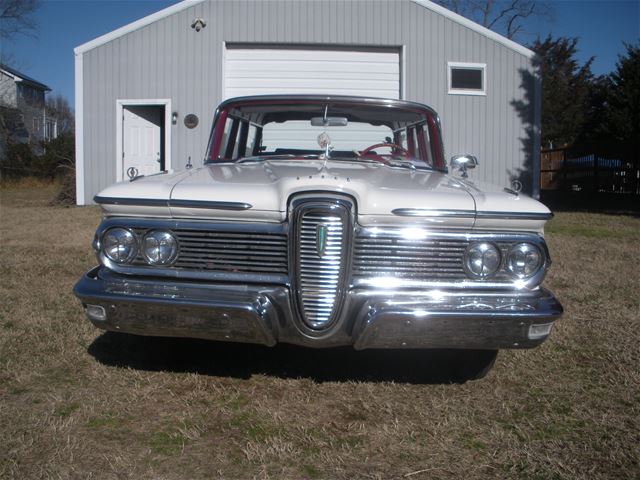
point(321, 230)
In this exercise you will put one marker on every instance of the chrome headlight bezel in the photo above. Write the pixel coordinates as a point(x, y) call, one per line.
point(488, 251)
point(131, 242)
point(524, 248)
point(162, 239)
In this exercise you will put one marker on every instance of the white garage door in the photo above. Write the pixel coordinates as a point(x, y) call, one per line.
point(256, 71)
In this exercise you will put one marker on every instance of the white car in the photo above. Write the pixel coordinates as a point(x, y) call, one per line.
point(324, 221)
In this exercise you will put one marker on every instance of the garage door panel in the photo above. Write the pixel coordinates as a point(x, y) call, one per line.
point(262, 68)
point(255, 71)
point(330, 83)
point(311, 54)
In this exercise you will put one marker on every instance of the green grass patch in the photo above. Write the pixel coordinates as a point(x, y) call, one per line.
point(311, 472)
point(112, 428)
point(473, 443)
point(254, 428)
point(167, 443)
point(104, 421)
point(581, 231)
point(66, 410)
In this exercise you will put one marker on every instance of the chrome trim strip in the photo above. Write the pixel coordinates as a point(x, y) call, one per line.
point(211, 205)
point(141, 202)
point(155, 202)
point(137, 222)
point(424, 212)
point(475, 235)
point(515, 215)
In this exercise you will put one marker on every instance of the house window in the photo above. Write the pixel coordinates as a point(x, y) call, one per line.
point(36, 124)
point(467, 78)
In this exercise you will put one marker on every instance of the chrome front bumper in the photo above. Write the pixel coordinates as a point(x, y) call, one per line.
point(370, 318)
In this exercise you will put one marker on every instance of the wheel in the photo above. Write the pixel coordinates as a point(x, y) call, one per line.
point(473, 364)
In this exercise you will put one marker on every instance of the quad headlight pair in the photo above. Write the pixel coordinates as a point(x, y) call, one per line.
point(483, 259)
point(157, 247)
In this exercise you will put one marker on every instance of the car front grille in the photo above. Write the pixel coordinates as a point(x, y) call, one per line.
point(413, 256)
point(320, 270)
point(233, 252)
point(230, 252)
point(322, 233)
point(420, 259)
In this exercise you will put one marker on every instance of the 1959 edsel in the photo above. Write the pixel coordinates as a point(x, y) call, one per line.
point(323, 221)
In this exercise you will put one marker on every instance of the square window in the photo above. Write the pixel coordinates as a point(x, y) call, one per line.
point(467, 78)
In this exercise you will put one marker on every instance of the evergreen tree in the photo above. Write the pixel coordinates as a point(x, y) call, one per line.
point(565, 90)
point(624, 97)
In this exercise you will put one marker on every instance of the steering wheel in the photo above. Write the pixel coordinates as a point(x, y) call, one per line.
point(367, 150)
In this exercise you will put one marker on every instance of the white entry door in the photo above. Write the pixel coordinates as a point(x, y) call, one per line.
point(142, 139)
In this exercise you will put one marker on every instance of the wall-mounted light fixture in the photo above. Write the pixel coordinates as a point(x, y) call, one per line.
point(174, 117)
point(198, 24)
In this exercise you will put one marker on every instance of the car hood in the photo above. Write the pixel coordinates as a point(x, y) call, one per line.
point(261, 190)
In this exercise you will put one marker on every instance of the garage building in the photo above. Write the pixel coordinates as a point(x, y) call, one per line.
point(146, 93)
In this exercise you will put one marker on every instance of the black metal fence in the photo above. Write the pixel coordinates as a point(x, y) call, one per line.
point(563, 170)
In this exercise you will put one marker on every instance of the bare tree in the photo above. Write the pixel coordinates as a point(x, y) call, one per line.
point(503, 16)
point(59, 109)
point(16, 18)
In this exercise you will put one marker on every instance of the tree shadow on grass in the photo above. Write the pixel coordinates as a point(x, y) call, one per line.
point(238, 360)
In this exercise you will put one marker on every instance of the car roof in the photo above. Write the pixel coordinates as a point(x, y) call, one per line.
point(373, 101)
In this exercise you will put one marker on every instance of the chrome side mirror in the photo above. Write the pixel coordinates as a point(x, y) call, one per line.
point(462, 163)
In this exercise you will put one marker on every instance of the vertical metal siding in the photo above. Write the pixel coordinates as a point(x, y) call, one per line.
point(168, 59)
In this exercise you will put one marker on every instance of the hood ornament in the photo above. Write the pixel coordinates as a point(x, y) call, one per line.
point(324, 140)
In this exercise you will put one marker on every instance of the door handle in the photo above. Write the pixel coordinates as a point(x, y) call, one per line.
point(158, 157)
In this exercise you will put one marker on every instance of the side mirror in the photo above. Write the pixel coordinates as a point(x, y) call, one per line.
point(462, 163)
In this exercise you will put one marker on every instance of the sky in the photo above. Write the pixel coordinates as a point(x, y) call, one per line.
point(601, 26)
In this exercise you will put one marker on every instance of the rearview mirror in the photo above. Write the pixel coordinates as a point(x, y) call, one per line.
point(329, 121)
point(462, 163)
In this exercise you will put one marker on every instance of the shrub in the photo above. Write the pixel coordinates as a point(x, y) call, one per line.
point(41, 161)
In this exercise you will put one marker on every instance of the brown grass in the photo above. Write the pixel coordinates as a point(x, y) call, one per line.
point(78, 403)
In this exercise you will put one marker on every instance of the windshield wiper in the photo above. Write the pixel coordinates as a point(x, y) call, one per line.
point(284, 156)
point(409, 164)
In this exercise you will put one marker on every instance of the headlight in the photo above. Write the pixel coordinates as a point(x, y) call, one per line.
point(119, 245)
point(159, 247)
point(524, 260)
point(481, 259)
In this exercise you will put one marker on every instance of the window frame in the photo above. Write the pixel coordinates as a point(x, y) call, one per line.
point(467, 66)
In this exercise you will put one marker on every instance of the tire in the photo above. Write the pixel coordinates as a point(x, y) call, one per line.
point(473, 364)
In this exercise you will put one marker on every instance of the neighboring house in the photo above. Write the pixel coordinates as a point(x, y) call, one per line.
point(23, 115)
point(157, 81)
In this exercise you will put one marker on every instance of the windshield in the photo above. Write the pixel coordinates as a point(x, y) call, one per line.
point(327, 128)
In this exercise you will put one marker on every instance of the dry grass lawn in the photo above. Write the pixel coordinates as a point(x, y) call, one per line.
point(78, 403)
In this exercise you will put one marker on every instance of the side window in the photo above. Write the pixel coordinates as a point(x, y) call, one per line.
point(252, 137)
point(467, 78)
point(225, 137)
point(415, 139)
point(239, 139)
point(230, 145)
point(406, 139)
point(424, 144)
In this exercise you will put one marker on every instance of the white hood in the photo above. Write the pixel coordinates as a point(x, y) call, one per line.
point(266, 187)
